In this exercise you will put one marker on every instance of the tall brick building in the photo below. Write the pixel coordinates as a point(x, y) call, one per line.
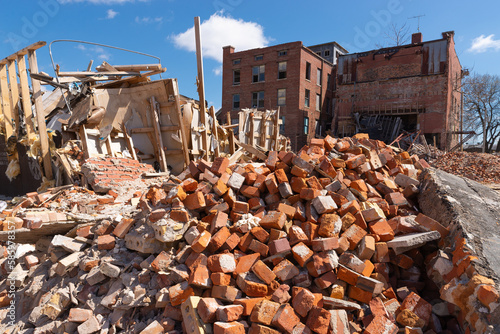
point(418, 82)
point(289, 76)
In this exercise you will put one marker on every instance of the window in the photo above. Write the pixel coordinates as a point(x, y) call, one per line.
point(282, 70)
point(258, 73)
point(318, 77)
point(318, 53)
point(306, 100)
point(236, 61)
point(318, 128)
point(236, 101)
point(258, 99)
point(327, 53)
point(282, 53)
point(327, 104)
point(328, 78)
point(282, 125)
point(308, 71)
point(318, 102)
point(236, 77)
point(282, 97)
point(306, 125)
point(259, 57)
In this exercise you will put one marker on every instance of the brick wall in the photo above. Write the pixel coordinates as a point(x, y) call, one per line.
point(295, 84)
point(104, 174)
point(419, 79)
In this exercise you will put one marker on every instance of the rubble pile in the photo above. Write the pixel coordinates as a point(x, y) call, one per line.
point(480, 167)
point(327, 240)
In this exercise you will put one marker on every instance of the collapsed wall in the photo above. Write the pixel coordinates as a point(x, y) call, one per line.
point(467, 266)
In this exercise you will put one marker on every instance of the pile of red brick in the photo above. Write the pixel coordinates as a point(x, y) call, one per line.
point(480, 167)
point(327, 240)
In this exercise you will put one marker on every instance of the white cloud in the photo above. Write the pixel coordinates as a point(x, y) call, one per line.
point(148, 20)
point(218, 70)
point(221, 30)
point(110, 14)
point(484, 43)
point(81, 47)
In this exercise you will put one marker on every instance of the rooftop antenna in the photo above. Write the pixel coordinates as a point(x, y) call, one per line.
point(418, 18)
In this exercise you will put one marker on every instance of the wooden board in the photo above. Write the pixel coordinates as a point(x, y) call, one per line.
point(14, 93)
point(25, 94)
point(6, 106)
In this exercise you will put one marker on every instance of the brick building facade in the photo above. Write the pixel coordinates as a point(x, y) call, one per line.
point(289, 76)
point(418, 82)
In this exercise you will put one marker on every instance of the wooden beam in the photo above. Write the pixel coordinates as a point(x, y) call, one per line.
point(276, 129)
point(6, 106)
point(106, 67)
point(133, 68)
point(182, 129)
point(24, 51)
point(236, 155)
point(150, 129)
point(83, 137)
point(214, 132)
point(156, 127)
point(14, 93)
point(42, 129)
point(251, 139)
point(97, 74)
point(232, 147)
point(130, 142)
point(201, 87)
point(250, 149)
point(25, 93)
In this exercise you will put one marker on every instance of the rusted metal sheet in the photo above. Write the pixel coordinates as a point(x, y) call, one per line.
point(434, 55)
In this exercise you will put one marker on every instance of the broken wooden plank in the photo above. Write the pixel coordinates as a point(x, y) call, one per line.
point(14, 92)
point(130, 142)
point(150, 129)
point(181, 123)
point(214, 132)
point(84, 139)
point(156, 127)
point(252, 150)
point(25, 94)
point(42, 129)
point(201, 87)
point(133, 68)
point(97, 74)
point(236, 155)
point(6, 106)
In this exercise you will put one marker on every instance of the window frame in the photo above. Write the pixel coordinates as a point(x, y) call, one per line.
point(319, 76)
point(257, 99)
point(233, 102)
point(280, 71)
point(237, 61)
point(306, 125)
point(308, 71)
point(281, 97)
point(307, 98)
point(261, 75)
point(282, 53)
point(327, 54)
point(236, 83)
point(259, 57)
point(318, 102)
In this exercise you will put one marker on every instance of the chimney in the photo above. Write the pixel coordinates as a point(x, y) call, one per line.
point(416, 38)
point(228, 49)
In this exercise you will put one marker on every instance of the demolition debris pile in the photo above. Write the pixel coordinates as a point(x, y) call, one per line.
point(325, 240)
point(480, 167)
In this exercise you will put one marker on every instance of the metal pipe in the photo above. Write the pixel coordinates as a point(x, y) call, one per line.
point(91, 43)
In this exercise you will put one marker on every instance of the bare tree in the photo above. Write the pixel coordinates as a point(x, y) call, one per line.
point(482, 107)
point(395, 35)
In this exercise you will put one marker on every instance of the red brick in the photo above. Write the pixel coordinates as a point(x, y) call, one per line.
point(263, 272)
point(264, 311)
point(229, 328)
point(285, 318)
point(318, 320)
point(273, 219)
point(105, 242)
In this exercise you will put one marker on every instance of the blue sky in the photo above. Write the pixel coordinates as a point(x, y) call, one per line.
point(161, 28)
